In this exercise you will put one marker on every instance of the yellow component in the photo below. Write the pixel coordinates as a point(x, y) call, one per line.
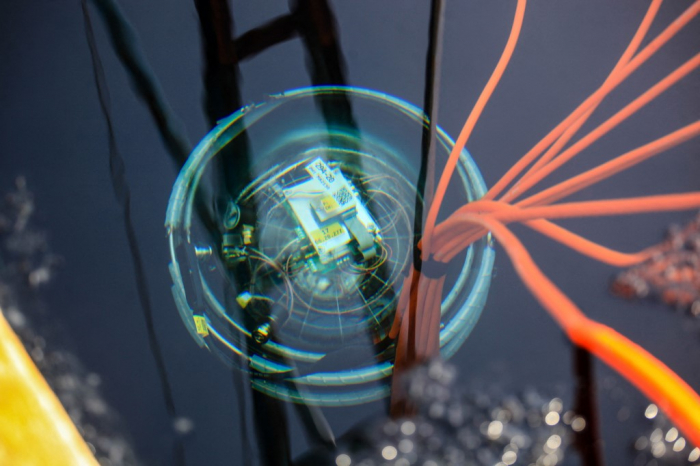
point(34, 427)
point(329, 204)
point(201, 324)
point(324, 234)
point(262, 333)
point(243, 299)
point(247, 234)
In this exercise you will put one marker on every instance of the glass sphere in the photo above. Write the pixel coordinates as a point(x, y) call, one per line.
point(291, 232)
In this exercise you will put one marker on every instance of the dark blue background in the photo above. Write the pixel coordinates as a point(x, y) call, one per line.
point(51, 131)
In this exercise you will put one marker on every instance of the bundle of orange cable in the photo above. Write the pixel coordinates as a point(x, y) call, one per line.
point(418, 313)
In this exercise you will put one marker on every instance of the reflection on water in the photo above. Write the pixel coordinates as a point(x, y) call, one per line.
point(273, 313)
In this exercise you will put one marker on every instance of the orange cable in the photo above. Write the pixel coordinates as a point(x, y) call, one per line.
point(671, 393)
point(605, 207)
point(416, 295)
point(402, 304)
point(469, 127)
point(579, 182)
point(587, 247)
point(423, 285)
point(629, 110)
point(640, 367)
point(594, 98)
point(433, 339)
point(624, 206)
point(612, 167)
point(451, 246)
point(668, 202)
point(624, 59)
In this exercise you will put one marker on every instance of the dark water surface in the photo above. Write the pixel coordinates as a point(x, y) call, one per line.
point(53, 133)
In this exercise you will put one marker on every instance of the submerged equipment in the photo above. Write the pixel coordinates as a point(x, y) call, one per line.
point(290, 231)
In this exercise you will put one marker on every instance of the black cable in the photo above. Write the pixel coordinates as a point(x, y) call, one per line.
point(431, 97)
point(126, 45)
point(123, 195)
point(589, 441)
point(426, 175)
point(125, 42)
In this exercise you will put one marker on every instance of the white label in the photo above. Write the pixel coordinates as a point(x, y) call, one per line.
point(333, 183)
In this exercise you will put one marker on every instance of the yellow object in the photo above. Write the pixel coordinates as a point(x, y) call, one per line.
point(243, 299)
point(34, 427)
point(324, 234)
point(329, 204)
point(248, 234)
point(201, 324)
